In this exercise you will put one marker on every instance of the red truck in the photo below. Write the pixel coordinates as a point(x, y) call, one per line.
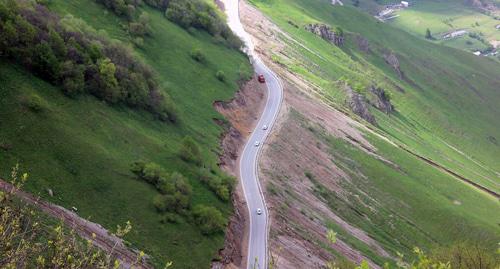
point(261, 78)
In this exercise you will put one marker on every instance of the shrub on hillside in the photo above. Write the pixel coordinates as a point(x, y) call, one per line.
point(176, 192)
point(190, 151)
point(198, 55)
point(69, 53)
point(34, 103)
point(149, 172)
point(222, 185)
point(208, 219)
point(126, 8)
point(220, 75)
point(201, 15)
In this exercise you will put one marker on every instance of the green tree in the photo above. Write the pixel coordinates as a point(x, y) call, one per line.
point(153, 173)
point(45, 62)
point(73, 78)
point(57, 44)
point(108, 82)
point(145, 20)
point(428, 34)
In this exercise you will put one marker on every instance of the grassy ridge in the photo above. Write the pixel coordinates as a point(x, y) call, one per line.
point(82, 149)
point(447, 112)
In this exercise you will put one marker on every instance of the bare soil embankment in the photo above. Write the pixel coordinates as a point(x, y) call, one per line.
point(242, 112)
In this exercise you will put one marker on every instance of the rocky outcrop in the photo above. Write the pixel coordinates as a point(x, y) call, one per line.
point(326, 32)
point(337, 2)
point(483, 5)
point(362, 43)
point(359, 106)
point(381, 100)
point(391, 59)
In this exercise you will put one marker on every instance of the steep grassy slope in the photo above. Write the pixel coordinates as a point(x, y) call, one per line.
point(448, 94)
point(447, 111)
point(82, 149)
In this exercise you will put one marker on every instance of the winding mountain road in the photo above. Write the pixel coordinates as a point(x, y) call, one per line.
point(258, 231)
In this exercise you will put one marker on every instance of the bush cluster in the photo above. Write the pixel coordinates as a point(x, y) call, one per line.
point(125, 8)
point(201, 15)
point(175, 191)
point(198, 55)
point(175, 194)
point(67, 52)
point(197, 14)
point(139, 26)
point(208, 219)
point(222, 185)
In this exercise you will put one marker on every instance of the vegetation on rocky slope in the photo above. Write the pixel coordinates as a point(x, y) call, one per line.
point(81, 148)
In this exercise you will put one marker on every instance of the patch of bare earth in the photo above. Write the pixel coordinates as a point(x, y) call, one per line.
point(298, 217)
point(242, 112)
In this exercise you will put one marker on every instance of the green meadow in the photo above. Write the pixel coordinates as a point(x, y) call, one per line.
point(444, 16)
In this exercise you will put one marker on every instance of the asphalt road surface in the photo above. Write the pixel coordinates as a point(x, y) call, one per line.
point(257, 245)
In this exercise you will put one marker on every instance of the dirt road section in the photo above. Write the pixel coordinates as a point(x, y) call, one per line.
point(108, 242)
point(242, 113)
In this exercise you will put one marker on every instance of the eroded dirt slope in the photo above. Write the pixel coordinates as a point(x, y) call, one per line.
point(242, 112)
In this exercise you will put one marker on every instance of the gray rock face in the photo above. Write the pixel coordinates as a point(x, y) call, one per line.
point(392, 60)
point(363, 43)
point(485, 5)
point(359, 106)
point(325, 32)
point(381, 101)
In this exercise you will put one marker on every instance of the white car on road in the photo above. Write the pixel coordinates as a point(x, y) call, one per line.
point(259, 211)
point(264, 127)
point(257, 143)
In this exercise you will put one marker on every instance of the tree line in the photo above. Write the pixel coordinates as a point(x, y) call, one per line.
point(68, 53)
point(197, 14)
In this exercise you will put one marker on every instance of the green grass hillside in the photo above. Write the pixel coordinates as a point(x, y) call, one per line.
point(446, 103)
point(82, 148)
point(441, 17)
point(444, 16)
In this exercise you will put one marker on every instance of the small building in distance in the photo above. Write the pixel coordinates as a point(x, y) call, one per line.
point(477, 53)
point(454, 34)
point(404, 4)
